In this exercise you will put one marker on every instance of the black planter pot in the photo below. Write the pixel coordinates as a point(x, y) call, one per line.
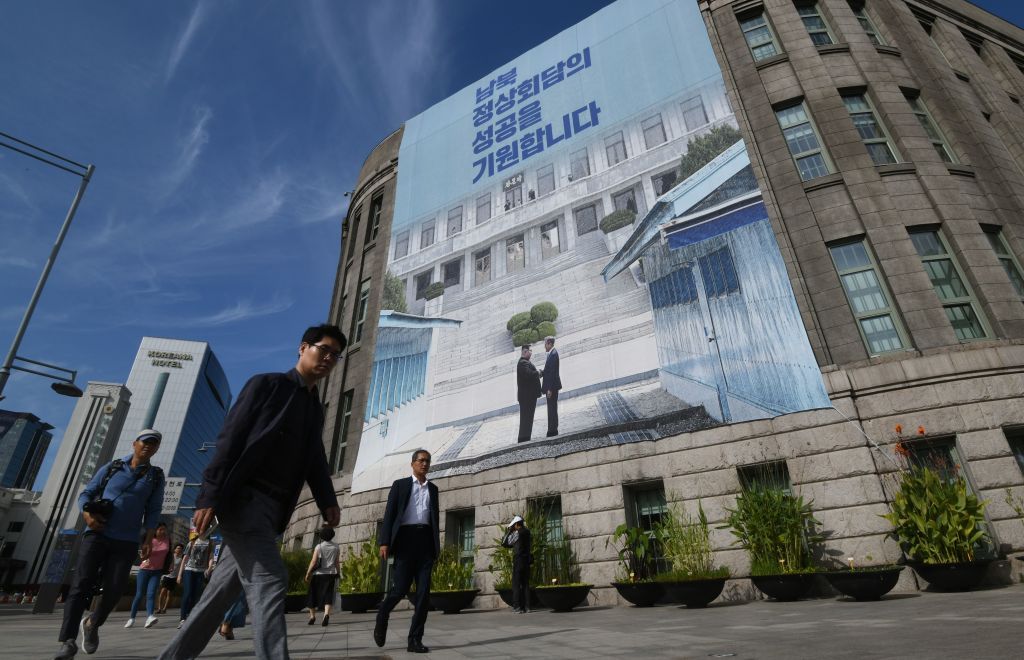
point(695, 593)
point(784, 587)
point(506, 596)
point(641, 594)
point(295, 602)
point(959, 576)
point(563, 599)
point(451, 602)
point(867, 584)
point(359, 603)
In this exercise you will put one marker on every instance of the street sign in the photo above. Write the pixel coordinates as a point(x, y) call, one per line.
point(173, 487)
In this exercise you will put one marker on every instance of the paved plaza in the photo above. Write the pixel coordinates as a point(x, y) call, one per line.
point(976, 625)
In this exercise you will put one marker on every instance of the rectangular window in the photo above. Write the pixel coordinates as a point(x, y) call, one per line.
point(549, 246)
point(871, 131)
point(8, 550)
point(664, 182)
point(545, 180)
point(423, 280)
point(460, 531)
point(949, 284)
point(360, 315)
point(815, 23)
point(427, 234)
point(654, 131)
point(586, 219)
point(719, 273)
point(515, 254)
point(402, 244)
point(549, 509)
point(803, 141)
point(615, 148)
point(1006, 258)
point(579, 165)
point(1015, 438)
point(482, 267)
point(15, 526)
point(341, 438)
point(773, 474)
point(759, 35)
point(351, 237)
point(868, 297)
point(513, 198)
point(694, 115)
point(625, 200)
point(452, 273)
point(483, 208)
point(866, 24)
point(455, 221)
point(924, 117)
point(645, 508)
point(373, 223)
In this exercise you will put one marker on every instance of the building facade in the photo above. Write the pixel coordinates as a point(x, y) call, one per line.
point(24, 439)
point(886, 140)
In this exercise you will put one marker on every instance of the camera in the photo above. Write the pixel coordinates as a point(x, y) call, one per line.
point(99, 508)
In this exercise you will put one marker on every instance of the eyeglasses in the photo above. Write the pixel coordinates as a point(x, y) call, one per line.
point(326, 353)
point(422, 460)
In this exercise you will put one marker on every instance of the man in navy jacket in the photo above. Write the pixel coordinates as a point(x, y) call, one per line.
point(269, 446)
point(410, 533)
point(551, 384)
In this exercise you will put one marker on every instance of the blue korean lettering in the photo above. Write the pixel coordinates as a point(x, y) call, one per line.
point(531, 143)
point(577, 62)
point(550, 139)
point(506, 127)
point(507, 78)
point(553, 75)
point(529, 87)
point(529, 115)
point(483, 113)
point(484, 93)
point(577, 125)
point(506, 102)
point(484, 140)
point(507, 156)
point(485, 164)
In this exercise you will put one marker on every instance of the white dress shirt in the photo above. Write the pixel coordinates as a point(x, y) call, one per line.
point(417, 512)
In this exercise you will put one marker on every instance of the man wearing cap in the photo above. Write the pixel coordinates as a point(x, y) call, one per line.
point(518, 538)
point(527, 391)
point(121, 495)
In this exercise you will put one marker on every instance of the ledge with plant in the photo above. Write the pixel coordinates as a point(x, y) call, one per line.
point(692, 578)
point(360, 583)
point(451, 582)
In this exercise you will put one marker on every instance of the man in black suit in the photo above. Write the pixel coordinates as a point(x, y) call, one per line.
point(551, 384)
point(269, 446)
point(411, 533)
point(527, 391)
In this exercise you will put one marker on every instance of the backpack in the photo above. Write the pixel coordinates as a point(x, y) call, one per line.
point(118, 464)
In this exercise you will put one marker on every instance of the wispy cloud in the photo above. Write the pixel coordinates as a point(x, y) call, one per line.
point(16, 262)
point(184, 40)
point(189, 149)
point(242, 310)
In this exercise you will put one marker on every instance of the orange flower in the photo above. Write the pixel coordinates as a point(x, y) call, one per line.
point(901, 449)
point(920, 430)
point(899, 429)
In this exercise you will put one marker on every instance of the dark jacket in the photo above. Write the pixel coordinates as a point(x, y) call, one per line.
point(519, 541)
point(398, 499)
point(527, 381)
point(552, 381)
point(257, 416)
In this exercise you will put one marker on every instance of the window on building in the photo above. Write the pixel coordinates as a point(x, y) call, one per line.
point(866, 23)
point(422, 281)
point(460, 531)
point(664, 182)
point(341, 426)
point(814, 23)
point(359, 318)
point(373, 222)
point(615, 148)
point(1015, 438)
point(924, 117)
point(351, 238)
point(15, 525)
point(402, 244)
point(513, 198)
point(482, 267)
point(645, 508)
point(694, 115)
point(455, 221)
point(872, 132)
point(515, 254)
point(773, 474)
point(927, 22)
point(545, 180)
point(586, 219)
point(654, 131)
point(549, 246)
point(803, 141)
point(452, 273)
point(427, 234)
point(625, 200)
point(579, 165)
point(7, 550)
point(1006, 258)
point(869, 298)
point(549, 509)
point(759, 35)
point(949, 283)
point(719, 273)
point(483, 208)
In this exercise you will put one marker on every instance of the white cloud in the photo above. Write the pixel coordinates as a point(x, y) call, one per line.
point(240, 311)
point(16, 262)
point(190, 148)
point(184, 40)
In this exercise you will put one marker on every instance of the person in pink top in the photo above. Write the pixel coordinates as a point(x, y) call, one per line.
point(148, 578)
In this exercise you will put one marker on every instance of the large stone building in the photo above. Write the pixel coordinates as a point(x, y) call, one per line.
point(886, 138)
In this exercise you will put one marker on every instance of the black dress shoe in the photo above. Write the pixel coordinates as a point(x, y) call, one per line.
point(417, 647)
point(380, 633)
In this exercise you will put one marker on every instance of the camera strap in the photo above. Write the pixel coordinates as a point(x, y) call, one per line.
point(116, 465)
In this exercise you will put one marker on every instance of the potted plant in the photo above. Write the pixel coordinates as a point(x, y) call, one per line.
point(616, 227)
point(635, 581)
point(360, 584)
point(864, 582)
point(693, 579)
point(501, 560)
point(451, 582)
point(559, 587)
point(779, 532)
point(939, 524)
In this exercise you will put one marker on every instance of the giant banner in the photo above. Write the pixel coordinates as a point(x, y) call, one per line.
point(561, 197)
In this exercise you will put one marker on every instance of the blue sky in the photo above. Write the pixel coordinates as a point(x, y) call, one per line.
point(224, 136)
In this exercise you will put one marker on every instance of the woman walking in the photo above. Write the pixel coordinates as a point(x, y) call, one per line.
point(324, 568)
point(170, 577)
point(197, 561)
point(148, 578)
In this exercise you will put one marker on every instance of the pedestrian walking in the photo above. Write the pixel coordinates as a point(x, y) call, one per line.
point(322, 576)
point(195, 567)
point(169, 580)
point(147, 580)
point(518, 538)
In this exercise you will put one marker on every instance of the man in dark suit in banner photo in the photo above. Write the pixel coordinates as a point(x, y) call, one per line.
point(527, 392)
point(411, 534)
point(551, 384)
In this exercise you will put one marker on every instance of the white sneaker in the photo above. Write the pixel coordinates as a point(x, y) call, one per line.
point(181, 623)
point(130, 623)
point(151, 620)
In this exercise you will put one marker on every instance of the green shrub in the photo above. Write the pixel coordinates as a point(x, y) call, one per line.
point(617, 220)
point(449, 573)
point(433, 290)
point(686, 544)
point(360, 569)
point(296, 562)
point(516, 321)
point(545, 329)
point(394, 293)
point(544, 311)
point(525, 336)
point(524, 324)
point(703, 149)
point(778, 530)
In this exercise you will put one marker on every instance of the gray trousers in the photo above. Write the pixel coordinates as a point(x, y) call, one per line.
point(250, 560)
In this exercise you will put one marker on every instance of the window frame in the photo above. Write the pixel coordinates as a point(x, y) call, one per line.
point(773, 38)
point(355, 231)
point(687, 106)
point(612, 149)
point(419, 292)
point(659, 177)
point(1008, 260)
point(819, 151)
point(630, 191)
point(480, 203)
point(815, 6)
point(927, 121)
point(971, 300)
point(872, 111)
point(860, 12)
point(457, 532)
point(509, 242)
point(576, 212)
point(425, 226)
point(373, 220)
point(363, 304)
point(444, 272)
point(542, 175)
point(340, 443)
point(452, 215)
point(490, 266)
point(574, 160)
point(402, 241)
point(545, 229)
point(645, 129)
